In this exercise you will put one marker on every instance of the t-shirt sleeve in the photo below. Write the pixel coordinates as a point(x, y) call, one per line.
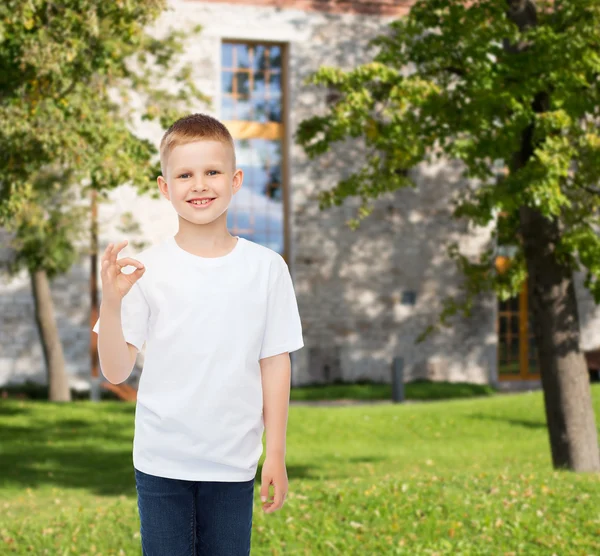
point(135, 314)
point(283, 329)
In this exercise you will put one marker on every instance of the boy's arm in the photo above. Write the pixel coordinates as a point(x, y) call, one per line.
point(117, 357)
point(276, 373)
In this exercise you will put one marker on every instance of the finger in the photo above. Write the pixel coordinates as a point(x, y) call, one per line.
point(278, 498)
point(137, 274)
point(264, 491)
point(269, 504)
point(270, 508)
point(277, 501)
point(104, 268)
point(111, 257)
point(106, 253)
point(128, 261)
point(117, 247)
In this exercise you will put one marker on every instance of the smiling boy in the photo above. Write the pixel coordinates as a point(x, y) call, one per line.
point(219, 317)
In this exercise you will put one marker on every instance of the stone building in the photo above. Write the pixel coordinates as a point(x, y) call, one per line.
point(363, 296)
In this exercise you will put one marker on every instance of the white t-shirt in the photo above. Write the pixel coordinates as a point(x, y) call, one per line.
point(206, 322)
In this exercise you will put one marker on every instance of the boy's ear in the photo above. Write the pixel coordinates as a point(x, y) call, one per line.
point(162, 185)
point(238, 178)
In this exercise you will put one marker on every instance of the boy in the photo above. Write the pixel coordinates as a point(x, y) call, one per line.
point(220, 316)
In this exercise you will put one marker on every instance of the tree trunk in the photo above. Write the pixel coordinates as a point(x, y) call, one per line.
point(563, 368)
point(58, 383)
point(565, 380)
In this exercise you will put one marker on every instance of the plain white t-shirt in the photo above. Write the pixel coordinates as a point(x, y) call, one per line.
point(206, 322)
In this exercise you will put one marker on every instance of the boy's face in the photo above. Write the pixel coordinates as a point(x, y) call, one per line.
point(201, 169)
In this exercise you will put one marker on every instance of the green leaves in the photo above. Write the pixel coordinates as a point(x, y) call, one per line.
point(464, 82)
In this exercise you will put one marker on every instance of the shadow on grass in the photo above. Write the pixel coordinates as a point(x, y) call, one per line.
point(509, 420)
point(76, 453)
point(364, 459)
point(12, 410)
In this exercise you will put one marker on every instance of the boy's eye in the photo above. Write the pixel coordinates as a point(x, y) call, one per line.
point(210, 173)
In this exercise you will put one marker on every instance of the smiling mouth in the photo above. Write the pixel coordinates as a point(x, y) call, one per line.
point(201, 205)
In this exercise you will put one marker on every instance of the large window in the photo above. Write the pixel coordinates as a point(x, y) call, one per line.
point(252, 108)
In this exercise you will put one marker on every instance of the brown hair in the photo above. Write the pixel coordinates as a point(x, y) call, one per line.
point(194, 127)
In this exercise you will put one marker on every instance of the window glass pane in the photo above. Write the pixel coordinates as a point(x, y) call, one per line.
point(276, 243)
point(227, 82)
point(514, 329)
point(243, 108)
point(227, 108)
point(276, 224)
point(259, 84)
point(242, 56)
point(258, 61)
point(514, 349)
point(227, 55)
point(264, 111)
point(533, 366)
point(502, 326)
point(242, 83)
point(273, 110)
point(510, 368)
point(274, 84)
point(275, 57)
point(273, 190)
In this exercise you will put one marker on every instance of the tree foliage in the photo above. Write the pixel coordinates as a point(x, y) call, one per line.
point(464, 81)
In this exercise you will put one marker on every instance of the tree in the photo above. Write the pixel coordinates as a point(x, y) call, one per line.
point(70, 73)
point(512, 84)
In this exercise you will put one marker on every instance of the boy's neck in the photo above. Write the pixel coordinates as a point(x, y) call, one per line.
point(207, 246)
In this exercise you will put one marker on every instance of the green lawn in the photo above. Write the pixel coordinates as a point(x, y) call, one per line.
point(455, 477)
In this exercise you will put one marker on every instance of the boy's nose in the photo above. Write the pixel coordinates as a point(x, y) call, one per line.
point(200, 185)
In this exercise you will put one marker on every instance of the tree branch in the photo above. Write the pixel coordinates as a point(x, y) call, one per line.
point(590, 189)
point(523, 13)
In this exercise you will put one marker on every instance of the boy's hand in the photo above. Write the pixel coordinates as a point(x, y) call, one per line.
point(116, 284)
point(275, 473)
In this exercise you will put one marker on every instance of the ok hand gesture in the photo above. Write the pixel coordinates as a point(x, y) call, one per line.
point(116, 284)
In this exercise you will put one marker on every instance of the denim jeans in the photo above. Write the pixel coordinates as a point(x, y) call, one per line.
point(194, 518)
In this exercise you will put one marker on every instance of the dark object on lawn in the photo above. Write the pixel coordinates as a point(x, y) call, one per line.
point(398, 380)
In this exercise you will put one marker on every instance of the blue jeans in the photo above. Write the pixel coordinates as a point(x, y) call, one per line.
point(194, 518)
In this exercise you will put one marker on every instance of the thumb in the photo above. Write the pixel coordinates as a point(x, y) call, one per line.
point(264, 491)
point(138, 273)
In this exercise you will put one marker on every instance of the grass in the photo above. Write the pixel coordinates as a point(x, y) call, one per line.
point(467, 476)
